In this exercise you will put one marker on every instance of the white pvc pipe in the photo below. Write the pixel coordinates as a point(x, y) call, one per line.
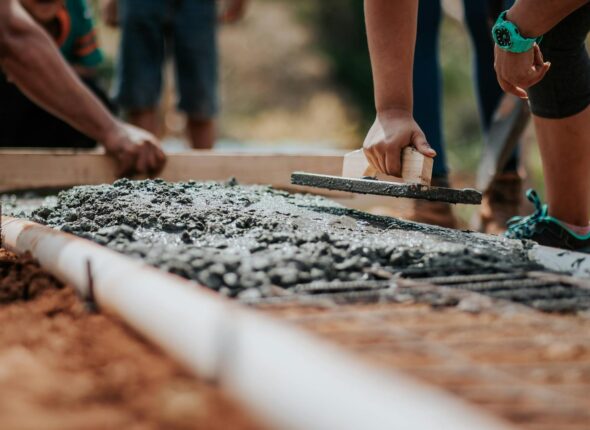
point(560, 260)
point(291, 379)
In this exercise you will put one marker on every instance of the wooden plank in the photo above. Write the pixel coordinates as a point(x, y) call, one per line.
point(416, 168)
point(30, 169)
point(356, 165)
point(33, 169)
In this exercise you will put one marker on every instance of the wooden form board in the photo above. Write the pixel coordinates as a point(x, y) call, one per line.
point(21, 170)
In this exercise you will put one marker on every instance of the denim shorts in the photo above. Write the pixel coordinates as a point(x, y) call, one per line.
point(154, 30)
point(565, 90)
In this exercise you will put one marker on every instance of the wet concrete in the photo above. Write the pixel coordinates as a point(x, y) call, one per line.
point(253, 241)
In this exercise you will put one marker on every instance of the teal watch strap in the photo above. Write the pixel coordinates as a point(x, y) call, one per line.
point(508, 37)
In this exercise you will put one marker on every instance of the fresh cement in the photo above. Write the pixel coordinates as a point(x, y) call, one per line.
point(252, 241)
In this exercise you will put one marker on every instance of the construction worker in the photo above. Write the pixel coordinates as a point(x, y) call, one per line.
point(32, 61)
point(69, 23)
point(559, 95)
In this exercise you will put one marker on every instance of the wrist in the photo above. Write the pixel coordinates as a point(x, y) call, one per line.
point(517, 16)
point(509, 37)
point(394, 112)
point(112, 135)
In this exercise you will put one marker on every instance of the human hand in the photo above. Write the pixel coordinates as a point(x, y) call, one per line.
point(110, 12)
point(233, 11)
point(518, 72)
point(390, 134)
point(135, 150)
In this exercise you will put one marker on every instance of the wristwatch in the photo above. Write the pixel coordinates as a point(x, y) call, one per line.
point(508, 38)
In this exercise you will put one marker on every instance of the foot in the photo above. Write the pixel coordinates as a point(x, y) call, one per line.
point(500, 203)
point(546, 230)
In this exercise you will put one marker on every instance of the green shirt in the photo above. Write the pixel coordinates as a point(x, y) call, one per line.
point(77, 37)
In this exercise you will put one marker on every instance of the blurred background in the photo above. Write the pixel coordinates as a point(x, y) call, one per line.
point(295, 75)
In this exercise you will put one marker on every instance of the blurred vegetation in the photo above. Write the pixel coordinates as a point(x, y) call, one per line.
point(340, 31)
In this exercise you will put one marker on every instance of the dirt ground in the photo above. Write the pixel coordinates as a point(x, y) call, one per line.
point(63, 367)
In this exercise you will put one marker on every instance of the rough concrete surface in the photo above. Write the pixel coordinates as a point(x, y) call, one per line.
point(252, 241)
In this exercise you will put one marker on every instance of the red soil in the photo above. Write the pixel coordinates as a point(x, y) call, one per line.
point(62, 367)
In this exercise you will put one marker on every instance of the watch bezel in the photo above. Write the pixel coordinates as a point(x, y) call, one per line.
point(505, 42)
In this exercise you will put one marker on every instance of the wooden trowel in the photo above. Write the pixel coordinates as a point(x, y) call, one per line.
point(359, 176)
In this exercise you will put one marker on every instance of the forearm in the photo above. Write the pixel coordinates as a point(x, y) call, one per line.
point(391, 31)
point(536, 17)
point(33, 63)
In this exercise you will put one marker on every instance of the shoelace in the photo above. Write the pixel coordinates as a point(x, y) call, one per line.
point(523, 227)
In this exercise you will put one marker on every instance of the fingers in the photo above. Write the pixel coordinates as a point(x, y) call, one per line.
point(371, 158)
point(538, 55)
point(541, 72)
point(157, 160)
point(153, 165)
point(142, 162)
point(421, 144)
point(385, 158)
point(538, 71)
point(375, 157)
point(518, 72)
point(511, 89)
point(393, 163)
point(126, 165)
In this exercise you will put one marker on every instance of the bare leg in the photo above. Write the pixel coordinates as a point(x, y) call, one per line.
point(146, 119)
point(565, 150)
point(201, 133)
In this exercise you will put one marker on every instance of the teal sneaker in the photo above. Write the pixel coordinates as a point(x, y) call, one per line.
point(544, 229)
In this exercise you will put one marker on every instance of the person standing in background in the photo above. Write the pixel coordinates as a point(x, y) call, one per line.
point(502, 200)
point(185, 30)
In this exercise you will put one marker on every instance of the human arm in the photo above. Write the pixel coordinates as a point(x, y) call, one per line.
point(391, 31)
point(518, 72)
point(31, 60)
point(536, 17)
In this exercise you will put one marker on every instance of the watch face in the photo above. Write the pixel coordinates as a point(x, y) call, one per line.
point(503, 37)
